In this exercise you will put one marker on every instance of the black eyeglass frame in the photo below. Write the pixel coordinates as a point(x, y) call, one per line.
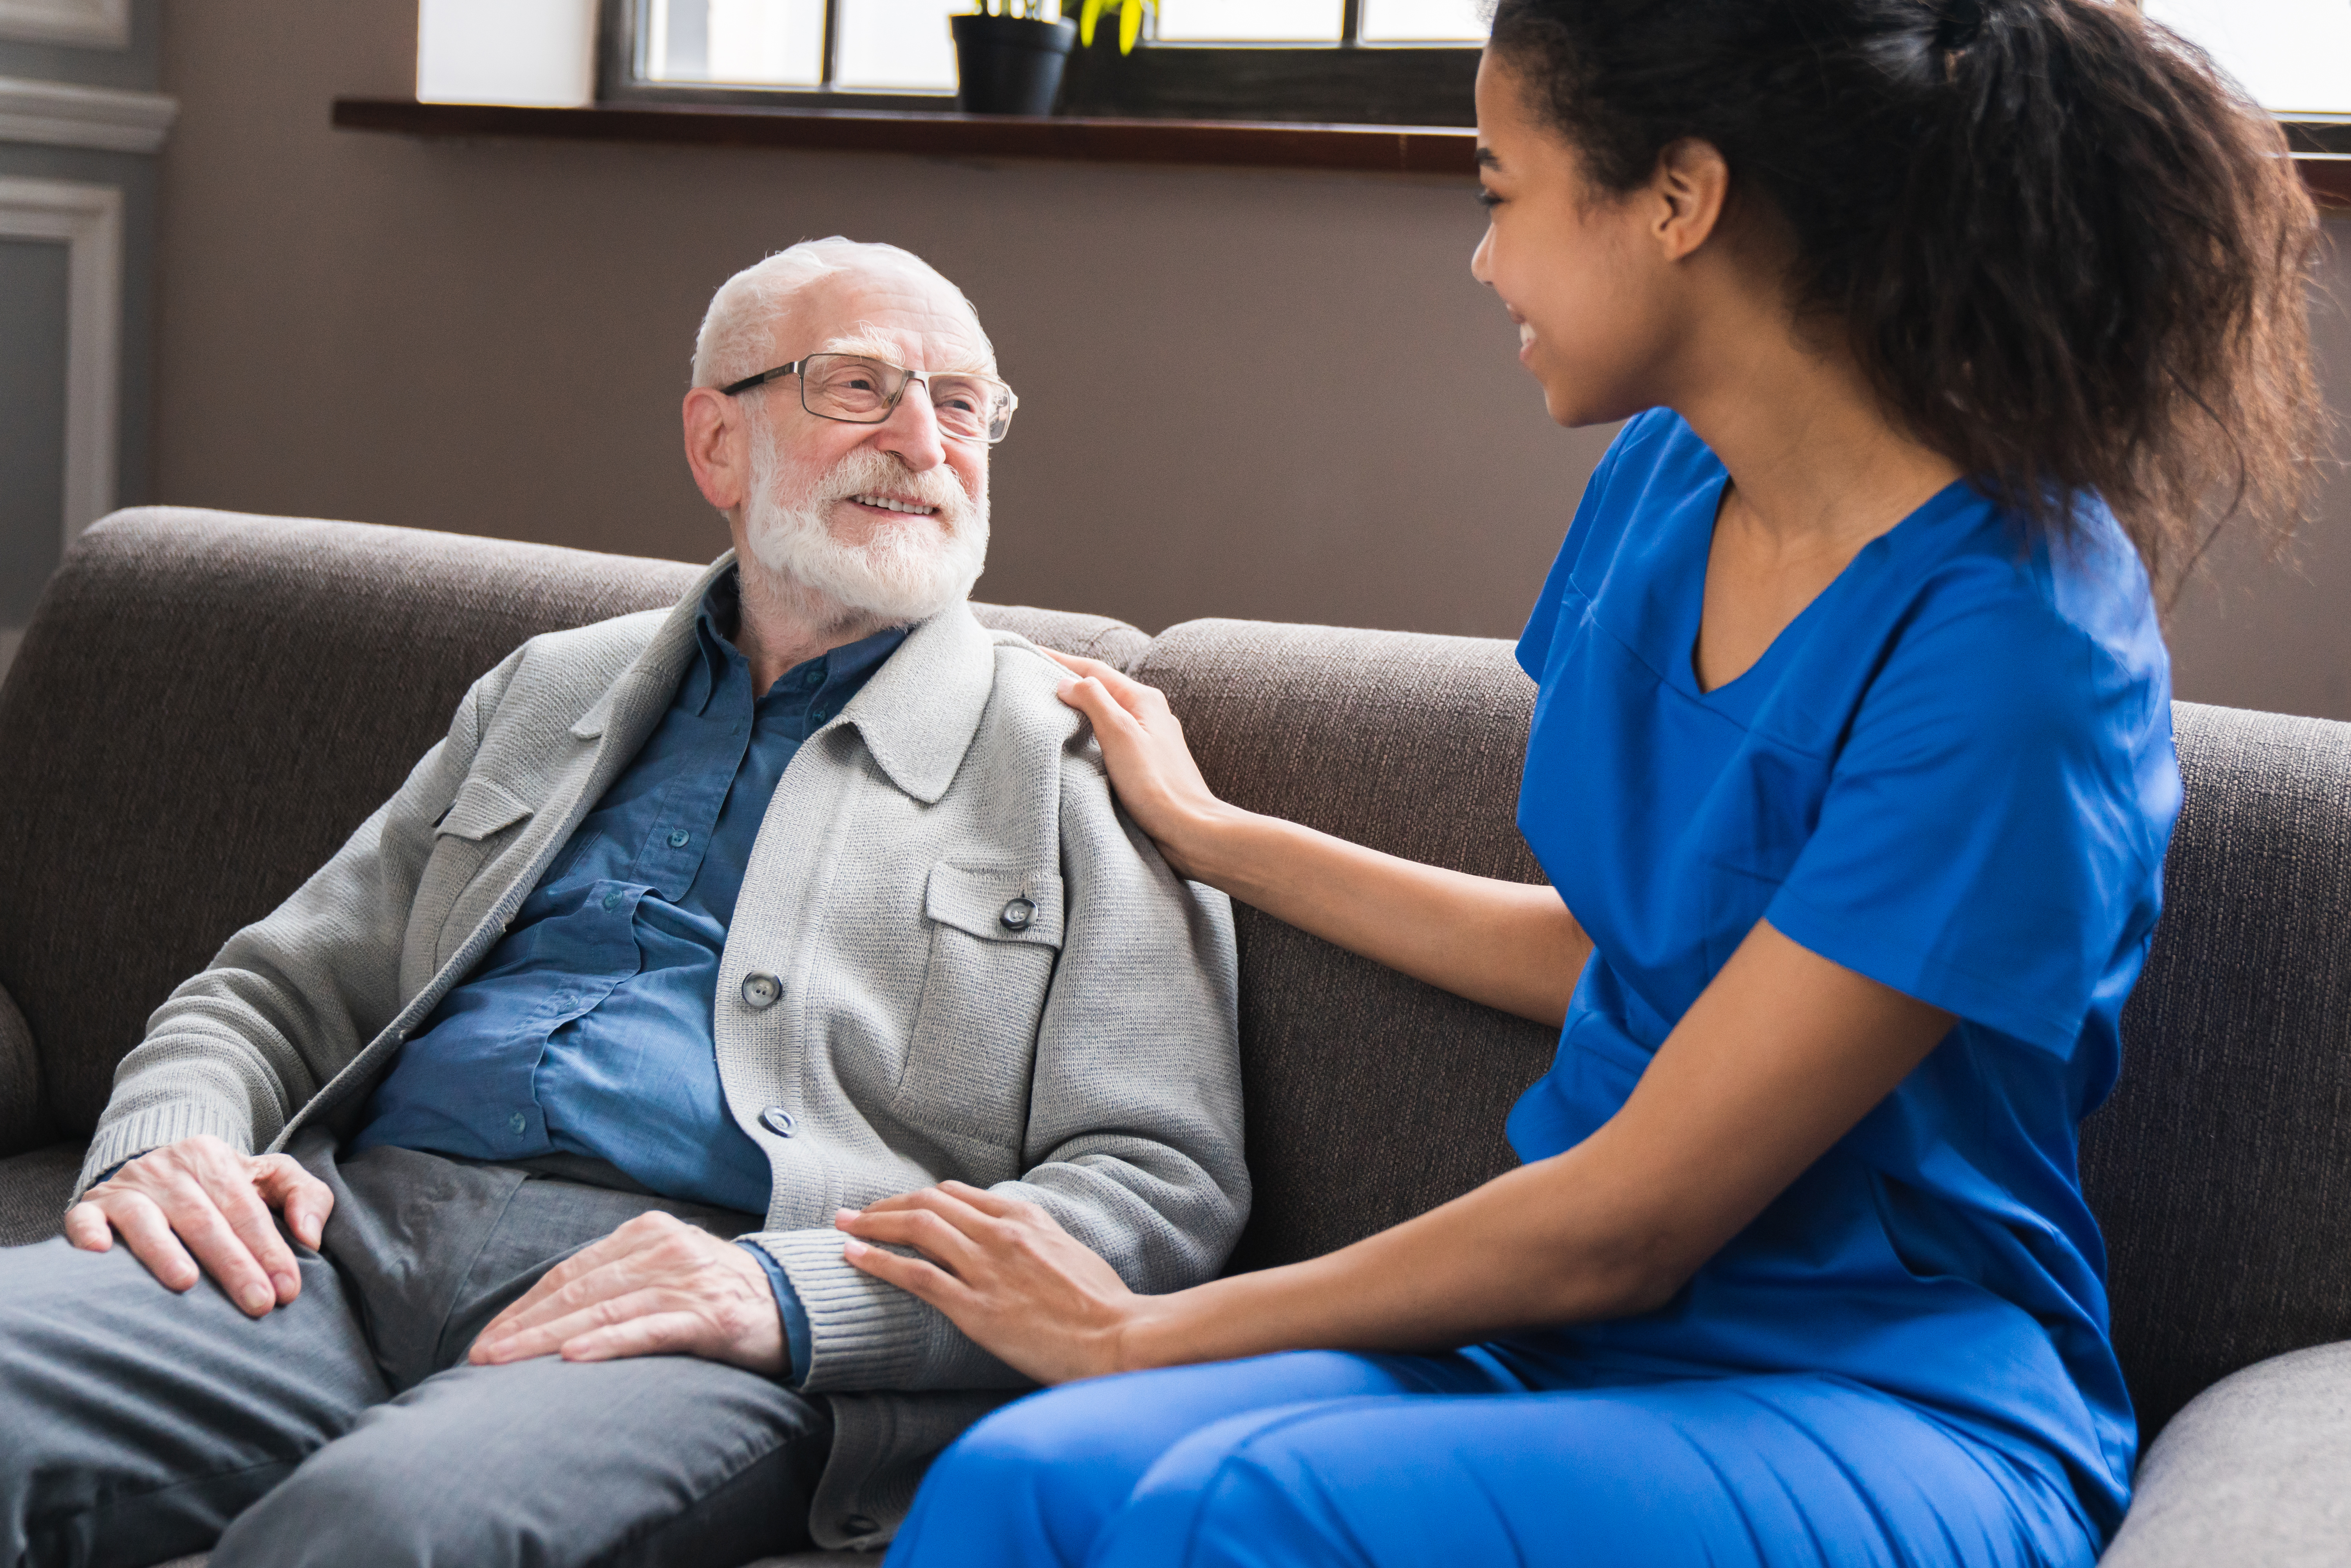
point(1011, 398)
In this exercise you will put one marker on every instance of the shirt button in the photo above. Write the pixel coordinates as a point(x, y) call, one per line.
point(517, 1122)
point(762, 992)
point(677, 841)
point(611, 901)
point(813, 679)
point(1018, 915)
point(778, 1121)
point(818, 715)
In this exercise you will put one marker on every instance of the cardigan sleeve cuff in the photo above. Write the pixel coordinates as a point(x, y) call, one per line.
point(788, 1305)
point(119, 1143)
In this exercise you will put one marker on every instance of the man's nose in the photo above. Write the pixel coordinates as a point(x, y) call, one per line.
point(912, 433)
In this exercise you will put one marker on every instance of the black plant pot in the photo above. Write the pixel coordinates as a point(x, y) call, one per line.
point(1010, 65)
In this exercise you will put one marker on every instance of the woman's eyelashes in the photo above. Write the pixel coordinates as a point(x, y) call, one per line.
point(1486, 199)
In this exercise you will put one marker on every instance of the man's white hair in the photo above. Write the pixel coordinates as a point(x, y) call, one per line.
point(738, 329)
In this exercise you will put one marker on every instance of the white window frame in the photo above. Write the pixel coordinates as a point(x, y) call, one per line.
point(97, 24)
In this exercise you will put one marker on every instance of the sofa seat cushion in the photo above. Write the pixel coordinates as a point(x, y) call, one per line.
point(33, 1192)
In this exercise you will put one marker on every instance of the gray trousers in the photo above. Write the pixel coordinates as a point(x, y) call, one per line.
point(345, 1429)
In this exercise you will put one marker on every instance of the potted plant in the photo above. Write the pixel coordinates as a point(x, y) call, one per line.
point(1130, 20)
point(1009, 61)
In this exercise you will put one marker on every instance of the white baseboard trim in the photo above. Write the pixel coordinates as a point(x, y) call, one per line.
point(59, 114)
point(89, 220)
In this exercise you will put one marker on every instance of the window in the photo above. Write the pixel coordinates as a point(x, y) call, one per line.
point(2293, 55)
point(1394, 62)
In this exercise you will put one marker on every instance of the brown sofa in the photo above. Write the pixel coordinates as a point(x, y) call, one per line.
point(207, 703)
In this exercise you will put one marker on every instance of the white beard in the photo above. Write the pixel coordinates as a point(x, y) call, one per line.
point(908, 571)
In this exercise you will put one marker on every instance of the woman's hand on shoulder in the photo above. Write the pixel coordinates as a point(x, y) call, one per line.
point(1150, 766)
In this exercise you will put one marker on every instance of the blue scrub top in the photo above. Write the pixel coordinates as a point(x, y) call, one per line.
point(1953, 773)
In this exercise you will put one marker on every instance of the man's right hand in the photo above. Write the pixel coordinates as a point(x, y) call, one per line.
point(200, 1194)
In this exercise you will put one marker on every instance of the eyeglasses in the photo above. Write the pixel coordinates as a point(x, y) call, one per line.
point(855, 390)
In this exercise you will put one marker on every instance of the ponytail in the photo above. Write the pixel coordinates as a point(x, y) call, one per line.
point(2068, 253)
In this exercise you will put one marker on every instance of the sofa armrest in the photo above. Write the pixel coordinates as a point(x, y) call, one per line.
point(20, 1081)
point(2256, 1470)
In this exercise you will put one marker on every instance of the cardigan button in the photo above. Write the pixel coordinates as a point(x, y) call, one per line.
point(762, 992)
point(777, 1120)
point(1018, 913)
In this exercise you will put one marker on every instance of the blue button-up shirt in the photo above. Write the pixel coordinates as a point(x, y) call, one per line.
point(589, 1029)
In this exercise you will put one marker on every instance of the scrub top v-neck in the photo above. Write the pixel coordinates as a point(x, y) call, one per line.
point(1952, 773)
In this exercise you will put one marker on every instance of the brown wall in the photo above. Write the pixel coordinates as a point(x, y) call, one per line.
point(1256, 394)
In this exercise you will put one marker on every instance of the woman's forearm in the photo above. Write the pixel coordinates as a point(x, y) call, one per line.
point(1508, 944)
point(1517, 1252)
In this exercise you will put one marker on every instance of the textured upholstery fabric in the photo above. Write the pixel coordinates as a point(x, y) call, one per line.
point(2257, 1469)
point(205, 705)
point(20, 1080)
point(2221, 1170)
point(33, 1192)
point(1370, 1097)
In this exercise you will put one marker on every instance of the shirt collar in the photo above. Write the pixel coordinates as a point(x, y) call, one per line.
point(721, 618)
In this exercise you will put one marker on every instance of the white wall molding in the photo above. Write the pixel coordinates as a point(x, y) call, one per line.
point(104, 23)
point(88, 219)
point(61, 115)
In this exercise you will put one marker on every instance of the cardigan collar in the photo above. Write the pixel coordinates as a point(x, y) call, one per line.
point(917, 714)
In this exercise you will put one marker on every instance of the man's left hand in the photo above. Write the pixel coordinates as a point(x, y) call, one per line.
point(654, 1287)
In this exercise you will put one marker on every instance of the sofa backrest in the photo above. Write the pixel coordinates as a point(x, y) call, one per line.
point(207, 705)
point(1370, 1097)
point(2221, 1169)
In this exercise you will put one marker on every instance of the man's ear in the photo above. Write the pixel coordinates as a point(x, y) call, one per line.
point(1689, 189)
point(717, 447)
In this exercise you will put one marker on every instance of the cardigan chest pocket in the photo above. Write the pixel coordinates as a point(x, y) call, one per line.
point(480, 822)
point(994, 935)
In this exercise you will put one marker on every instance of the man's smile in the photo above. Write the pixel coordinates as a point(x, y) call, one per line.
point(893, 503)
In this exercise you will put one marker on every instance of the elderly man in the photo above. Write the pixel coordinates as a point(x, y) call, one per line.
point(697, 927)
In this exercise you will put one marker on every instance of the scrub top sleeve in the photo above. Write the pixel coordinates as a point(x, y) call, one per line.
point(1979, 846)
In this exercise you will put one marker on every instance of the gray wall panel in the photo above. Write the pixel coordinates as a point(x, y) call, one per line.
point(32, 421)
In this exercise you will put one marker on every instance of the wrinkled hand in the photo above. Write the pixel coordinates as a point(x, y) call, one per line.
point(654, 1287)
point(200, 1194)
point(1150, 766)
point(1006, 1274)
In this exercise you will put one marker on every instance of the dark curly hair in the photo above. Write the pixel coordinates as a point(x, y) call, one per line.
point(2066, 250)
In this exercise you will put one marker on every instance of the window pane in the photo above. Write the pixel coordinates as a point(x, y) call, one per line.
point(2293, 55)
point(1423, 22)
point(1250, 21)
point(757, 43)
point(897, 44)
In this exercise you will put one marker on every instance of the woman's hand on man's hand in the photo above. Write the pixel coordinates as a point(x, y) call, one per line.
point(1151, 768)
point(202, 1197)
point(1006, 1274)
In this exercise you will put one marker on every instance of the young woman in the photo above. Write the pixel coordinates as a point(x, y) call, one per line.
point(1852, 772)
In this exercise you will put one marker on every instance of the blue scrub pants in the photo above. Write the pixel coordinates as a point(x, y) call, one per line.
point(1323, 1457)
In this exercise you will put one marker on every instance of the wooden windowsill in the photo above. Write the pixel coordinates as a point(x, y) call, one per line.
point(1406, 149)
point(1259, 144)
